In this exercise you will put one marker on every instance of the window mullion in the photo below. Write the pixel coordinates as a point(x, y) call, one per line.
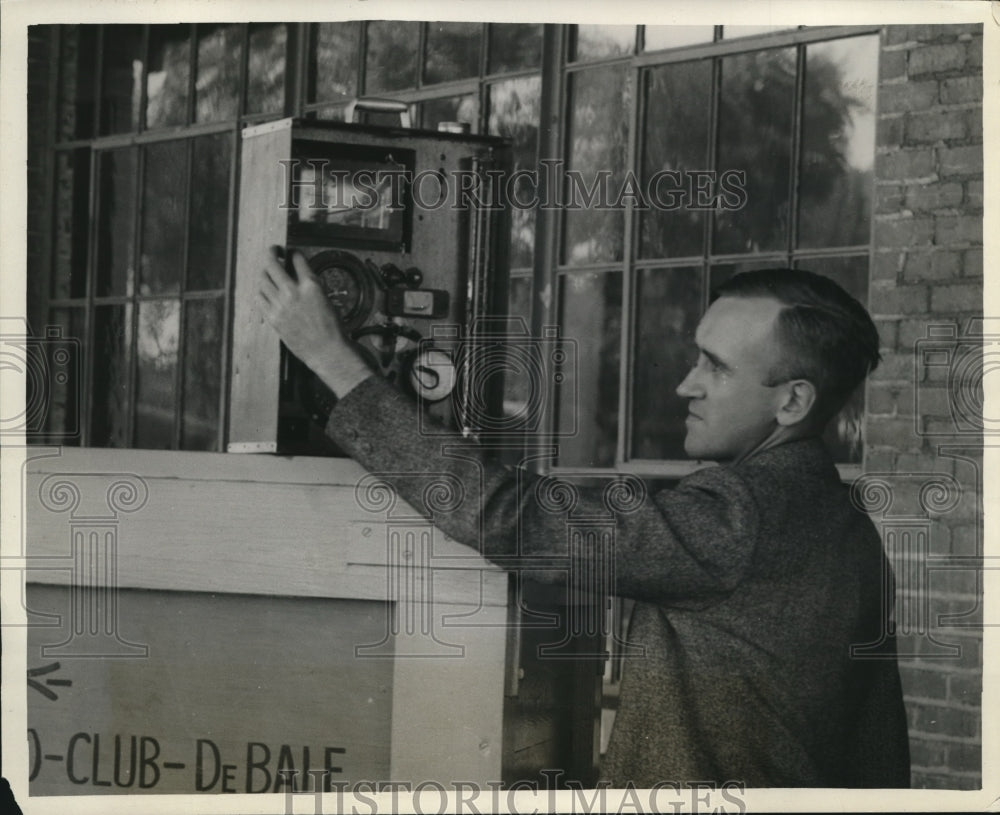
point(85, 401)
point(179, 395)
point(796, 157)
point(133, 351)
point(636, 114)
point(712, 161)
point(235, 155)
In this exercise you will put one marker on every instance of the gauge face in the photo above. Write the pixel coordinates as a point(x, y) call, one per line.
point(347, 284)
point(342, 289)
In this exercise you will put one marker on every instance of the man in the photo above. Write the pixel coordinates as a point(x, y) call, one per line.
point(752, 579)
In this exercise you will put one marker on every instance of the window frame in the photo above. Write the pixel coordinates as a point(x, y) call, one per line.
point(554, 68)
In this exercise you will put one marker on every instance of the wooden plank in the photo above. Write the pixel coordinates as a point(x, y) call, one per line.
point(256, 349)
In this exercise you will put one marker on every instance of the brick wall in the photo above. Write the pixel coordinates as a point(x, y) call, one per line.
point(923, 446)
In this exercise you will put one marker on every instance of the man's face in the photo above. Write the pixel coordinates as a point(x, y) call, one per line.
point(730, 410)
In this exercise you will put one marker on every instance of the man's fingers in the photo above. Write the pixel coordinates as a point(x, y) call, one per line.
point(302, 267)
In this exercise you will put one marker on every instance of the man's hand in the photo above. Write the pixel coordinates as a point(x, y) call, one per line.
point(307, 323)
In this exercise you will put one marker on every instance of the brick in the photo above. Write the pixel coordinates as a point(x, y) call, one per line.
point(888, 333)
point(907, 97)
point(960, 89)
point(904, 232)
point(947, 721)
point(966, 539)
point(906, 164)
point(923, 684)
point(928, 754)
point(955, 583)
point(972, 263)
point(938, 195)
point(880, 461)
point(974, 125)
point(887, 265)
point(924, 463)
point(924, 128)
point(895, 433)
point(882, 398)
point(930, 401)
point(889, 198)
point(974, 193)
point(930, 33)
point(889, 132)
point(960, 160)
point(975, 52)
point(894, 368)
point(952, 229)
point(968, 757)
point(896, 34)
point(892, 64)
point(936, 58)
point(966, 689)
point(910, 299)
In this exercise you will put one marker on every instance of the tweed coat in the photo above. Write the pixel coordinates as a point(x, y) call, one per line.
point(751, 583)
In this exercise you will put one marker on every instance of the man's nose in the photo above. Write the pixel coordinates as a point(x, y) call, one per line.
point(690, 388)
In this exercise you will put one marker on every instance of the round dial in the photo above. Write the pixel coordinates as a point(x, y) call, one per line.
point(348, 285)
point(342, 289)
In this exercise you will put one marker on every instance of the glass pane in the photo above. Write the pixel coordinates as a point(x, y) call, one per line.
point(598, 136)
point(203, 329)
point(676, 140)
point(121, 78)
point(77, 74)
point(590, 316)
point(64, 384)
point(721, 272)
point(155, 388)
point(673, 36)
point(453, 51)
point(519, 385)
point(116, 222)
point(217, 88)
point(112, 355)
point(597, 41)
point(168, 75)
point(335, 61)
point(732, 31)
point(266, 69)
point(391, 63)
point(451, 109)
point(72, 211)
point(208, 234)
point(838, 142)
point(758, 91)
point(669, 307)
point(162, 264)
point(514, 113)
point(514, 47)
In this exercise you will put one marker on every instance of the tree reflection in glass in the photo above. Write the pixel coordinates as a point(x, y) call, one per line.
point(334, 61)
point(203, 326)
point(600, 100)
point(514, 112)
point(675, 140)
point(391, 57)
point(590, 314)
point(755, 136)
point(155, 389)
point(668, 308)
point(163, 213)
point(599, 41)
point(838, 143)
point(112, 356)
point(167, 76)
point(266, 68)
point(217, 86)
point(453, 51)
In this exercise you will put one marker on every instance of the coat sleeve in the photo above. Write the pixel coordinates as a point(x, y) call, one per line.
point(693, 541)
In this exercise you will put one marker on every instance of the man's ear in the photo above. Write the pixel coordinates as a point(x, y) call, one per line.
point(799, 400)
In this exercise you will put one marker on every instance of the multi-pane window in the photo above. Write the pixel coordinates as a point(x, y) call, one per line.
point(757, 143)
point(740, 158)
